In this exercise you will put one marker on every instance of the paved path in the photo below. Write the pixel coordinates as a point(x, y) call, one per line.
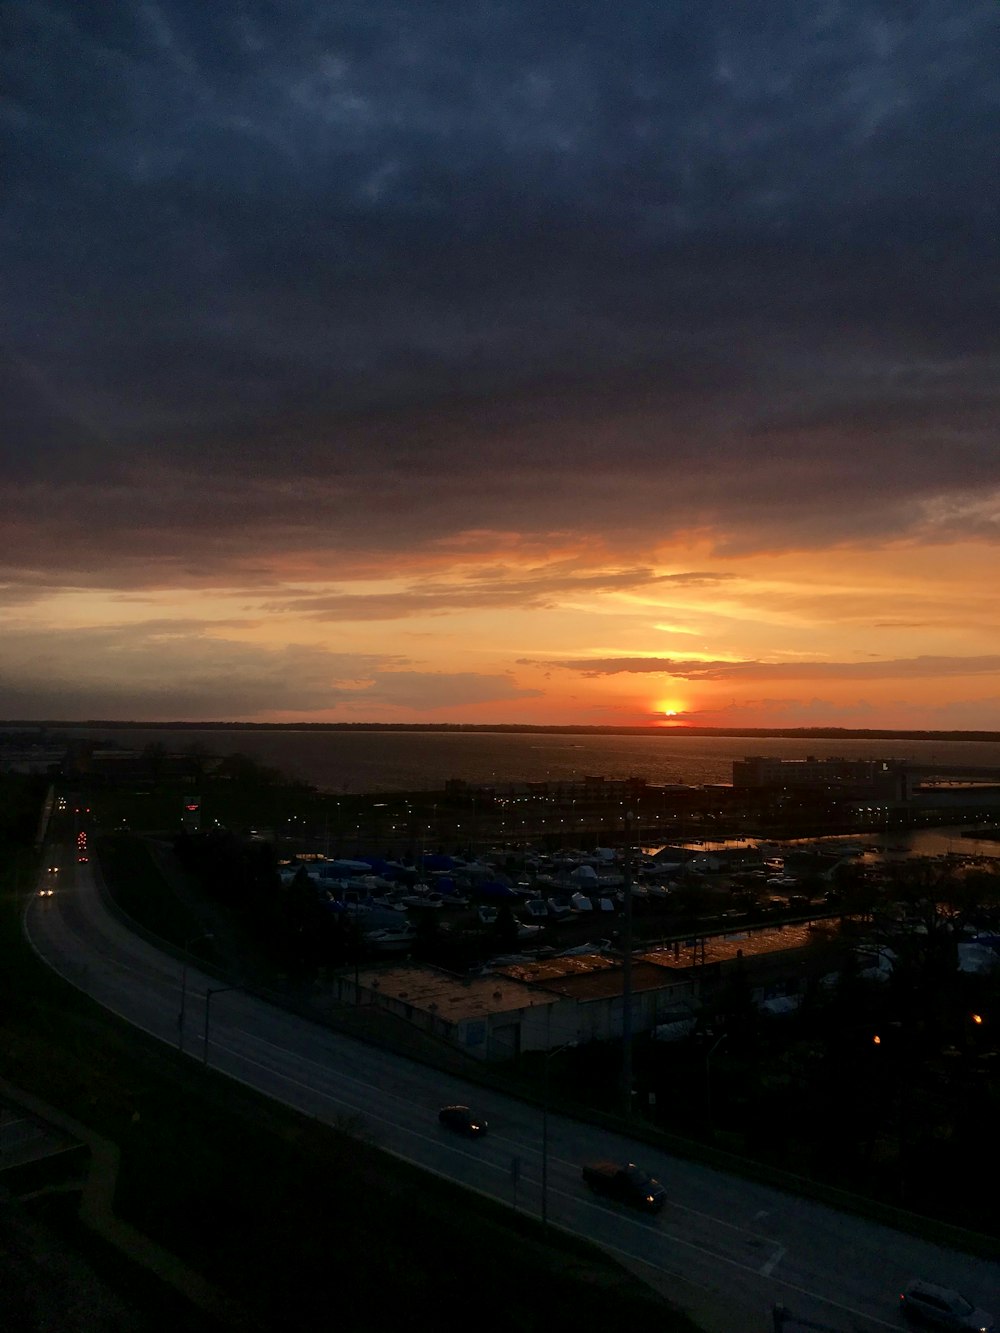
point(97, 1210)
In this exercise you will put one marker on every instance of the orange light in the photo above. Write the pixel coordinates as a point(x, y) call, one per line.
point(977, 1018)
point(877, 1039)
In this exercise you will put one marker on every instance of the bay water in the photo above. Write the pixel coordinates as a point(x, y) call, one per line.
point(388, 761)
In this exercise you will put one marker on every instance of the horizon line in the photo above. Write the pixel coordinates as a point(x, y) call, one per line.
point(651, 729)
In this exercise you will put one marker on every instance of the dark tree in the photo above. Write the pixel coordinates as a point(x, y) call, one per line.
point(504, 930)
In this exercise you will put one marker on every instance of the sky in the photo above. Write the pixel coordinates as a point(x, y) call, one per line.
point(576, 363)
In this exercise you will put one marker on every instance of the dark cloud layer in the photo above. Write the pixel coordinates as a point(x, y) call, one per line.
point(345, 279)
point(189, 670)
point(914, 668)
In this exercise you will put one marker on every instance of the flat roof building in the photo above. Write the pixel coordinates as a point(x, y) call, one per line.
point(539, 1004)
point(872, 777)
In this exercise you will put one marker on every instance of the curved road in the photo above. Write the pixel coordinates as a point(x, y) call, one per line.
point(725, 1248)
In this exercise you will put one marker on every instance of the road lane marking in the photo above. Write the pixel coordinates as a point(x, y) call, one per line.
point(721, 1222)
point(522, 1147)
point(363, 1111)
point(328, 1071)
point(734, 1263)
point(767, 1269)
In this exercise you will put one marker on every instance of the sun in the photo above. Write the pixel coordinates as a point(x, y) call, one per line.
point(670, 708)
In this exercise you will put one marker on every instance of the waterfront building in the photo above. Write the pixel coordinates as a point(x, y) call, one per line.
point(881, 779)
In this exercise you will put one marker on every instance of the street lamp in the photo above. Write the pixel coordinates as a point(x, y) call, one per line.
point(708, 1075)
point(627, 972)
point(545, 1128)
point(184, 981)
point(212, 990)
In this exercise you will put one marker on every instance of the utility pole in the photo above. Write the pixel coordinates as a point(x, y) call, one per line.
point(568, 1045)
point(627, 973)
point(184, 981)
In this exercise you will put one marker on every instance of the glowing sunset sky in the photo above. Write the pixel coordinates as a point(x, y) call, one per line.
point(501, 362)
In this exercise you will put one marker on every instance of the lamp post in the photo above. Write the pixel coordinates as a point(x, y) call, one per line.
point(356, 941)
point(212, 990)
point(184, 981)
point(708, 1076)
point(545, 1129)
point(627, 972)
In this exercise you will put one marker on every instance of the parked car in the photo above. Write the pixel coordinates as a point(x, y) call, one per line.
point(940, 1307)
point(463, 1120)
point(625, 1183)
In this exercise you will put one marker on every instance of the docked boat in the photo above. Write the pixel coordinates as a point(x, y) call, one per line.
point(396, 940)
point(658, 891)
point(536, 908)
point(432, 900)
point(454, 900)
point(392, 902)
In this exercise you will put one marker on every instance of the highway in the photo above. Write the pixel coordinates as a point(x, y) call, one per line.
point(725, 1248)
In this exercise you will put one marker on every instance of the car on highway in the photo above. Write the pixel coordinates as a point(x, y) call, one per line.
point(626, 1183)
point(463, 1120)
point(931, 1306)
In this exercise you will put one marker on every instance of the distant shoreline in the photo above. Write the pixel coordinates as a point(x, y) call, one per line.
point(778, 733)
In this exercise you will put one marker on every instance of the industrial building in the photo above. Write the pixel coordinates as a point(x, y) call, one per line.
point(539, 1004)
